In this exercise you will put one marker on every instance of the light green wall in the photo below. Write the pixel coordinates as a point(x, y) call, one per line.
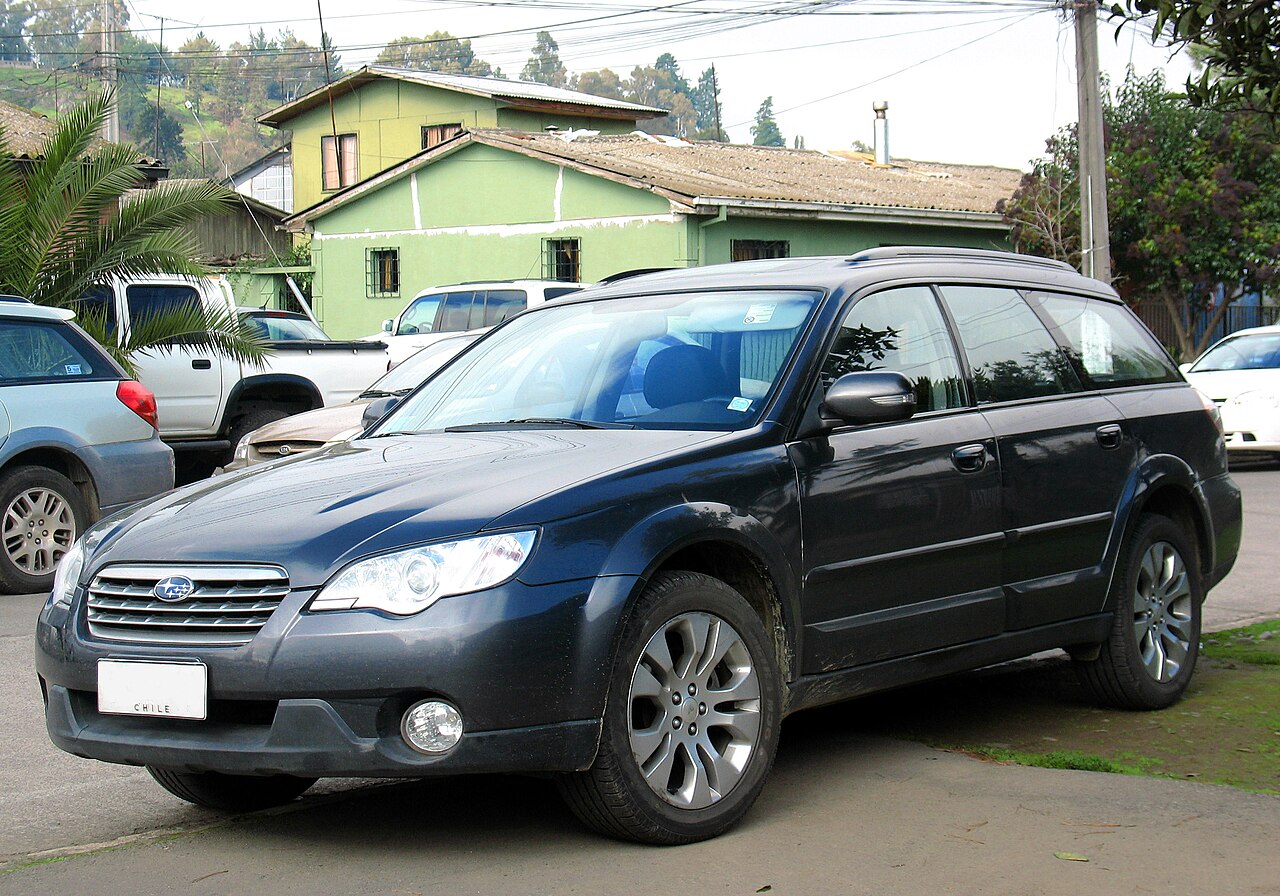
point(387, 118)
point(482, 214)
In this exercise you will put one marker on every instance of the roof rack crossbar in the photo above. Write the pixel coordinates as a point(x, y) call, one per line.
point(884, 252)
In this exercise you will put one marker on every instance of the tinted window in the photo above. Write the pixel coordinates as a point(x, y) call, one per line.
point(500, 305)
point(1257, 351)
point(98, 302)
point(555, 292)
point(900, 330)
point(32, 350)
point(1010, 352)
point(420, 317)
point(149, 301)
point(455, 312)
point(279, 328)
point(1111, 346)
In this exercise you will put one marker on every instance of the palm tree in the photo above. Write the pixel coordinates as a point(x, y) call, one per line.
point(69, 222)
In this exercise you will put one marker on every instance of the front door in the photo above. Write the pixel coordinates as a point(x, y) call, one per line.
point(902, 541)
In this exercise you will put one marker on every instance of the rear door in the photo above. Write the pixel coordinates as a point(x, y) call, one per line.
point(1065, 454)
point(901, 521)
point(188, 380)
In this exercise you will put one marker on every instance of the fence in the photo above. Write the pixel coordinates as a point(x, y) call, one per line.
point(1237, 317)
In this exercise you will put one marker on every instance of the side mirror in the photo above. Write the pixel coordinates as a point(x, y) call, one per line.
point(388, 325)
point(869, 397)
point(377, 409)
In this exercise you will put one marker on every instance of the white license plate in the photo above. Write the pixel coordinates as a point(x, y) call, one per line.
point(147, 688)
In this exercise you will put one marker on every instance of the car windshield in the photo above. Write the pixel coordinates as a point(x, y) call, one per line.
point(281, 327)
point(420, 365)
point(707, 361)
point(1254, 352)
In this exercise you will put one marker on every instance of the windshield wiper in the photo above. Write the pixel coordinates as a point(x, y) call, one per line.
point(536, 422)
point(377, 393)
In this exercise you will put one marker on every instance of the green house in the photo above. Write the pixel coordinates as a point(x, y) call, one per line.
point(377, 116)
point(497, 204)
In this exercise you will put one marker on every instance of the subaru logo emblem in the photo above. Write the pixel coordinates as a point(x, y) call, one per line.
point(172, 589)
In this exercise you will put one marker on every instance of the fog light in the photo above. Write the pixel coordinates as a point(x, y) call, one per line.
point(431, 726)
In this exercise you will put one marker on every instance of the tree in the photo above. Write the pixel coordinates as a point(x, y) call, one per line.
point(13, 22)
point(70, 223)
point(55, 31)
point(659, 88)
point(1238, 42)
point(706, 103)
point(544, 66)
point(439, 51)
point(765, 131)
point(153, 129)
point(1195, 205)
point(604, 82)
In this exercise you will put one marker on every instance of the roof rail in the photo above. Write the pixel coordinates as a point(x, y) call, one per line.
point(957, 252)
point(9, 298)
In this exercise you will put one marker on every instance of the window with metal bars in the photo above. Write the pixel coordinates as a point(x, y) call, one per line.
point(383, 269)
point(562, 260)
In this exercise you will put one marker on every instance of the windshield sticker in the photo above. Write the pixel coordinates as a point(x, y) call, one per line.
point(759, 314)
point(740, 404)
point(73, 369)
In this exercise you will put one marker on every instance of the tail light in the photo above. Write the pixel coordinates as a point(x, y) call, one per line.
point(139, 399)
point(1210, 408)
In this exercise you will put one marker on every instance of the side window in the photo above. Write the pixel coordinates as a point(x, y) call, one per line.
point(455, 312)
point(99, 302)
point(1011, 354)
point(146, 301)
point(1108, 342)
point(900, 330)
point(40, 351)
point(420, 317)
point(499, 305)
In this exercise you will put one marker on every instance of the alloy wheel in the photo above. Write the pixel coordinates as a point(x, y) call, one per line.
point(39, 527)
point(1162, 611)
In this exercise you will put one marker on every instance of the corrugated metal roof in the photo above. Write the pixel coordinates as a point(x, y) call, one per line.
point(708, 170)
point(502, 88)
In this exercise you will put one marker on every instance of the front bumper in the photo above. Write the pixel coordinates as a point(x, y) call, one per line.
point(321, 694)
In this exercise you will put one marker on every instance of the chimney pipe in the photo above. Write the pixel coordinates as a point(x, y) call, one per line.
point(881, 132)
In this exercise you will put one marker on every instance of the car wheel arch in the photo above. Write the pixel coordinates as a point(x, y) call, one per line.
point(61, 459)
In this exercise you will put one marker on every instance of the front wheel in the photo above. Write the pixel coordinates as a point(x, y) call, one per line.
point(231, 793)
point(1148, 659)
point(691, 721)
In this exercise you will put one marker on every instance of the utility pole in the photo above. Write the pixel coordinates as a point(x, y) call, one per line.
point(715, 101)
point(110, 127)
point(1095, 233)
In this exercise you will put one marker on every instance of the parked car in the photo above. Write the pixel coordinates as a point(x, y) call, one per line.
point(831, 476)
point(77, 441)
point(315, 429)
point(440, 310)
point(1241, 373)
point(209, 402)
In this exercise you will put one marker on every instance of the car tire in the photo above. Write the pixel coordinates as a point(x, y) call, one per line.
point(1157, 592)
point(231, 793)
point(43, 514)
point(673, 766)
point(247, 423)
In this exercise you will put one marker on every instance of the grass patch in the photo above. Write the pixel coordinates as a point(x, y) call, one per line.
point(1065, 759)
point(1258, 645)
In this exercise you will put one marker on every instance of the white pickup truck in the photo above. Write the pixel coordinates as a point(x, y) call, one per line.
point(208, 402)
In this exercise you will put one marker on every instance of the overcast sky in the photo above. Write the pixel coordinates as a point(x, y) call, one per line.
point(981, 83)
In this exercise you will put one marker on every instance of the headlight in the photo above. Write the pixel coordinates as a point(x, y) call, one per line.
point(1257, 399)
point(407, 582)
point(71, 565)
point(242, 450)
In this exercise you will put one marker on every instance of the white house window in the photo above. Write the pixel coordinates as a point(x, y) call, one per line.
point(382, 267)
point(562, 260)
point(339, 161)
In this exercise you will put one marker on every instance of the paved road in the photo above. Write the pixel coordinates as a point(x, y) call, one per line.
point(842, 813)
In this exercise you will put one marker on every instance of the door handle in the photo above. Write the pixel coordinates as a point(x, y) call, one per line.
point(201, 364)
point(969, 458)
point(1109, 435)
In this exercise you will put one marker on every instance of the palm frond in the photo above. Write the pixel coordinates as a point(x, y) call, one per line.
point(220, 330)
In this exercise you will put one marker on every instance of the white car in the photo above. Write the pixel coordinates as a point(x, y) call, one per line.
point(1242, 375)
point(439, 311)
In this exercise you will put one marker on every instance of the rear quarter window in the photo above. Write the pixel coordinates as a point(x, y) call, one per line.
point(32, 351)
point(1110, 346)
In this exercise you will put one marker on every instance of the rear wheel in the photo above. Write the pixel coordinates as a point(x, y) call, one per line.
point(44, 513)
point(231, 793)
point(692, 718)
point(1148, 659)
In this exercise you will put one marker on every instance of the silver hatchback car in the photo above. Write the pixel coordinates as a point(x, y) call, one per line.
point(78, 441)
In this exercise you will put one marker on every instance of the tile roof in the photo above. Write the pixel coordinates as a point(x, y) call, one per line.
point(708, 170)
point(24, 131)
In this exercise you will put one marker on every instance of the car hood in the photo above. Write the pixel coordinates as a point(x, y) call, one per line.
point(1222, 385)
point(316, 512)
point(319, 425)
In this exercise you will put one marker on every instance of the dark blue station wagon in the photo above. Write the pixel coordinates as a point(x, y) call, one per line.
point(622, 536)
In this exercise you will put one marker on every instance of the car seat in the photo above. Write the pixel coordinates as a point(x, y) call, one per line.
point(684, 373)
